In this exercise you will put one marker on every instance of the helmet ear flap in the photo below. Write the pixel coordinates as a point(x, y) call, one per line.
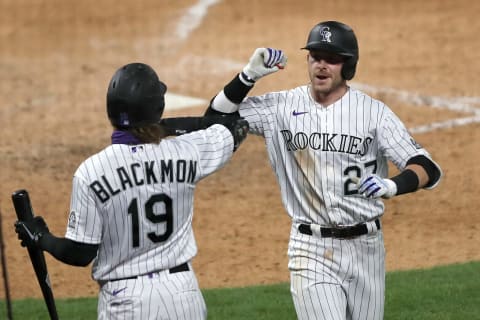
point(349, 68)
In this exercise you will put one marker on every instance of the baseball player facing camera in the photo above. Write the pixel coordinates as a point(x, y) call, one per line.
point(328, 145)
point(131, 207)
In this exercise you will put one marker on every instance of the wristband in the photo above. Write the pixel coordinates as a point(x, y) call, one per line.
point(236, 90)
point(406, 182)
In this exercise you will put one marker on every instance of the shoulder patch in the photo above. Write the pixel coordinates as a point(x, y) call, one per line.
point(72, 220)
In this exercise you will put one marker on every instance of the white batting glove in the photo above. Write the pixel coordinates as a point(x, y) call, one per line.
point(372, 186)
point(263, 62)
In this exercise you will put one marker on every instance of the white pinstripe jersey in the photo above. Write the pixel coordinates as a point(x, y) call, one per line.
point(136, 201)
point(315, 151)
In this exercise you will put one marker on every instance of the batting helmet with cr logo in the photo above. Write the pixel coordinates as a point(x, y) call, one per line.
point(336, 37)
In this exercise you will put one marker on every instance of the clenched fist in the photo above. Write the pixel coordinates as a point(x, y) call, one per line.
point(264, 61)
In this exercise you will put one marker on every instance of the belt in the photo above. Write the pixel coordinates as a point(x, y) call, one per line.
point(180, 268)
point(339, 232)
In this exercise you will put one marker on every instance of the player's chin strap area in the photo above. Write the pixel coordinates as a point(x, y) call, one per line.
point(341, 232)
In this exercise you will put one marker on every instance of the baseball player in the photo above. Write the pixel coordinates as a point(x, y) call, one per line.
point(132, 205)
point(328, 145)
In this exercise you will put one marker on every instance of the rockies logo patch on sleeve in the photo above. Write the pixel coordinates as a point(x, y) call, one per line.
point(72, 220)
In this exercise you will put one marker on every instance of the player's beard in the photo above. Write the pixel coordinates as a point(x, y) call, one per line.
point(327, 89)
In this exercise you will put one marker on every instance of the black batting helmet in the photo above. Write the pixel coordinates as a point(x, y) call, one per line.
point(336, 37)
point(135, 96)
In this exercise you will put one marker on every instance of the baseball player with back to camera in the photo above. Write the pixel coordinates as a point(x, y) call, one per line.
point(328, 145)
point(131, 205)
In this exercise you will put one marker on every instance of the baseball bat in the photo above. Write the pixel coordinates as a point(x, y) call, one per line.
point(23, 208)
point(5, 273)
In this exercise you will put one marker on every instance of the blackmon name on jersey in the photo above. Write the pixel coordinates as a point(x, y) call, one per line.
point(136, 174)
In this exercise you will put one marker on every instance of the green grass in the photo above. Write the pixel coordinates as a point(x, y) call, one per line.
point(259, 302)
point(448, 292)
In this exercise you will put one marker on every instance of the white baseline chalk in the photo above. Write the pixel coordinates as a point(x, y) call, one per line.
point(176, 101)
point(193, 18)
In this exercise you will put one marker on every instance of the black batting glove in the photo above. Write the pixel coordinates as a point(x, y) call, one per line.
point(237, 125)
point(30, 232)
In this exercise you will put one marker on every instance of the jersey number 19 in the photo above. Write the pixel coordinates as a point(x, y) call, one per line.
point(166, 218)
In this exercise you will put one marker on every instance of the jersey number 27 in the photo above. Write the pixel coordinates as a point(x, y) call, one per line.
point(349, 187)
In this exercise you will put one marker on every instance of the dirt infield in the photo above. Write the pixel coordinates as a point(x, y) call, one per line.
point(57, 56)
